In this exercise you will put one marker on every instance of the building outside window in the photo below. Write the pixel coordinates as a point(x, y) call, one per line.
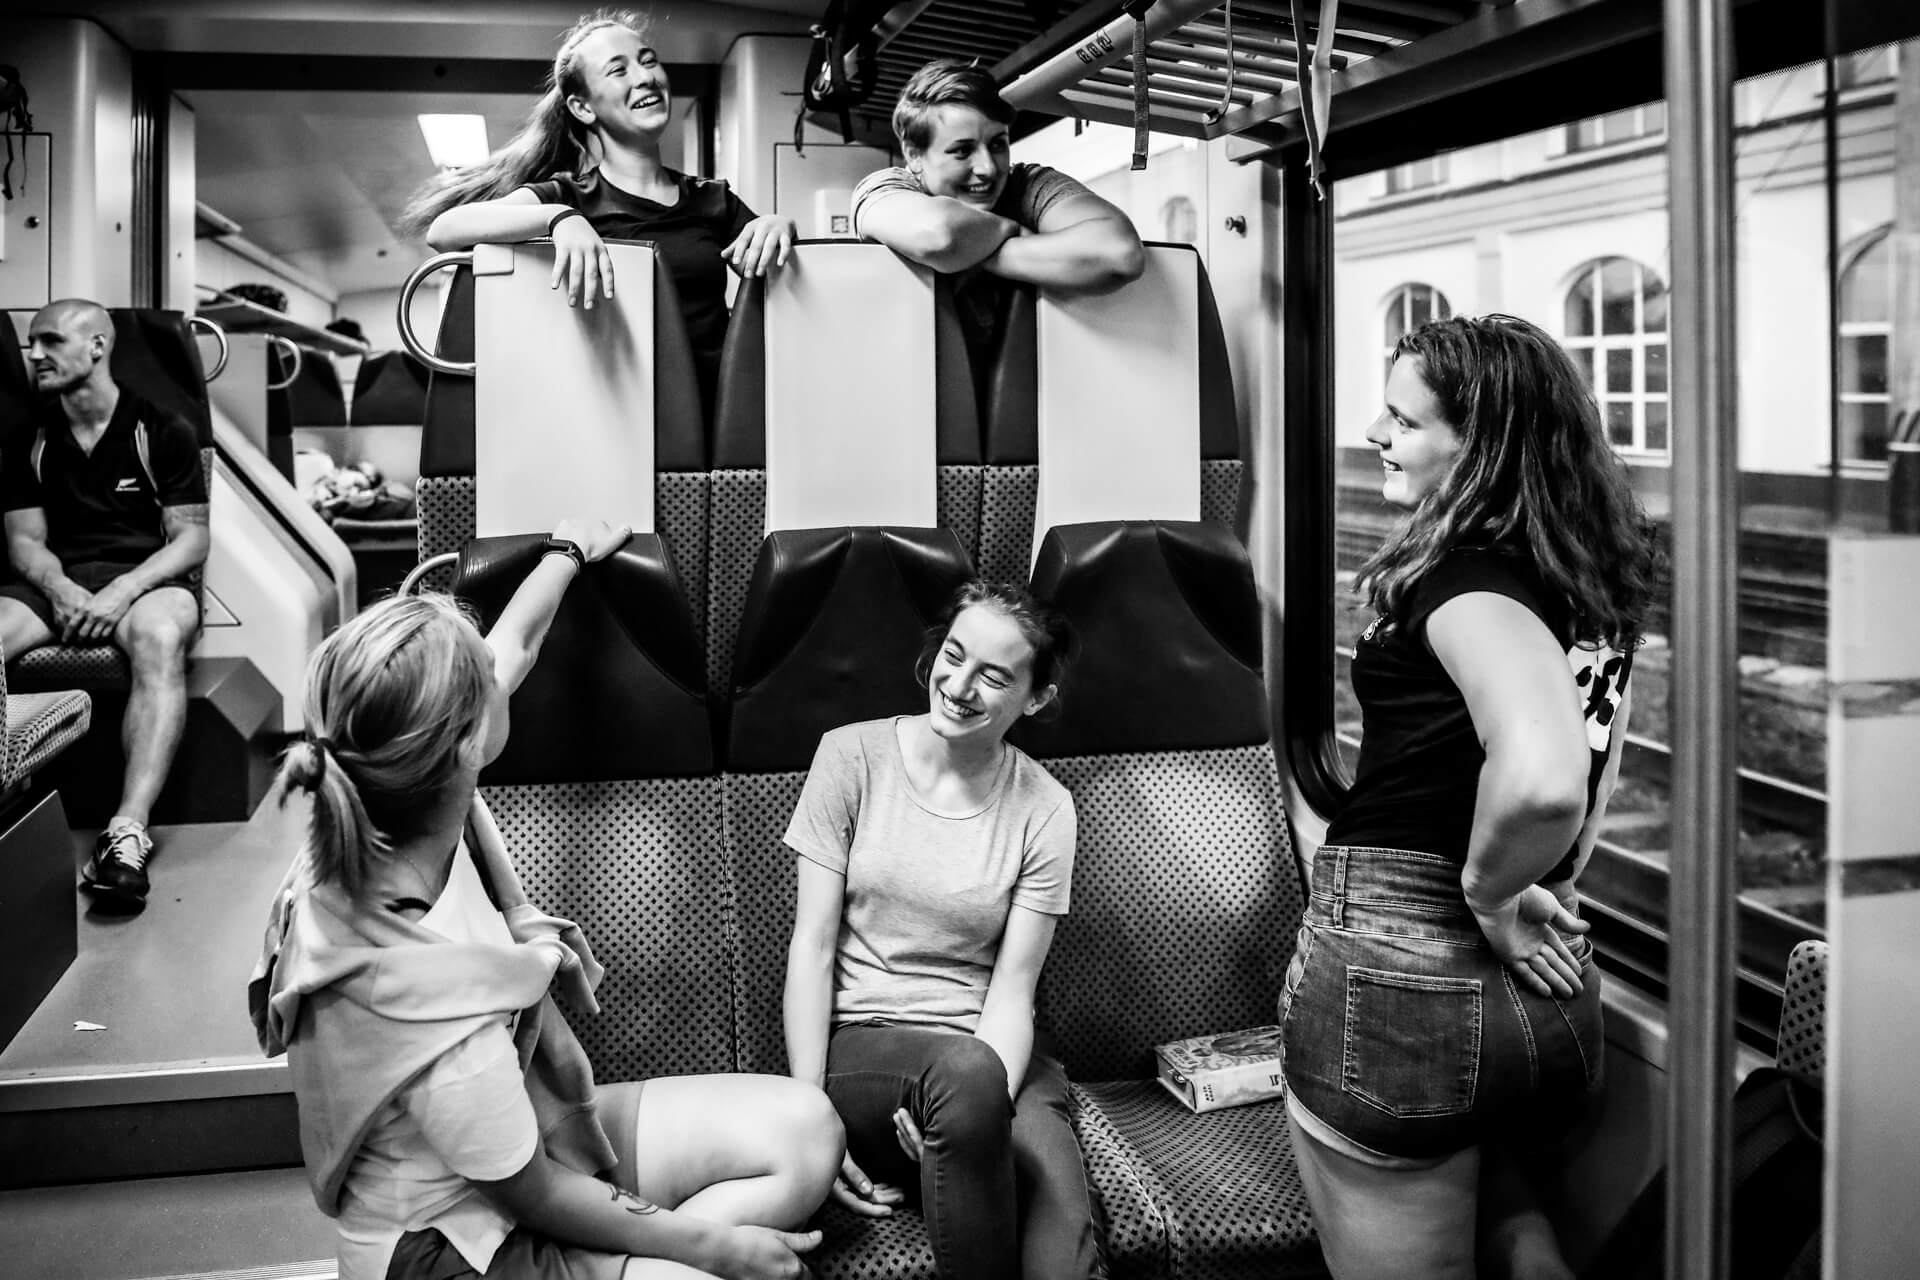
point(1409, 307)
point(1649, 121)
point(1416, 176)
point(1866, 291)
point(1869, 66)
point(1616, 332)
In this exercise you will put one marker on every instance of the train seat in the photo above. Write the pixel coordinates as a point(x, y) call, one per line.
point(38, 922)
point(1010, 483)
point(1186, 894)
point(832, 624)
point(447, 495)
point(390, 389)
point(17, 394)
point(608, 797)
point(835, 328)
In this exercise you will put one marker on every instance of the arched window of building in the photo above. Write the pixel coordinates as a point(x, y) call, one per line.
point(1866, 325)
point(1179, 221)
point(1616, 331)
point(1409, 307)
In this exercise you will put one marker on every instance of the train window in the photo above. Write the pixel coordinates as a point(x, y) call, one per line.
point(1584, 251)
point(1167, 200)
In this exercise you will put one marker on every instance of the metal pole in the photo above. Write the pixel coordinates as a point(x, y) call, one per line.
point(1699, 78)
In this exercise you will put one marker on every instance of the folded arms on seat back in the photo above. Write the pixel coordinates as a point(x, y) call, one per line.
point(619, 690)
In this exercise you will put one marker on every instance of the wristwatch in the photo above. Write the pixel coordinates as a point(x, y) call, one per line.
point(564, 547)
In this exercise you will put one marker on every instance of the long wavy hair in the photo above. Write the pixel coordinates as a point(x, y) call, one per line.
point(552, 141)
point(1534, 476)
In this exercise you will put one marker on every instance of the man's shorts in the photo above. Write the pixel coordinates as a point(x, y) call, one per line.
point(91, 575)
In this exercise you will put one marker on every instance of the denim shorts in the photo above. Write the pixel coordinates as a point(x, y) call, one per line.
point(1405, 1039)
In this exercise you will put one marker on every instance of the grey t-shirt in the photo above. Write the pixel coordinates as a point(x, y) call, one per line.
point(1031, 190)
point(928, 892)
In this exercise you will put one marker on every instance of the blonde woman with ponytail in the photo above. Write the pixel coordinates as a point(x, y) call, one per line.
point(587, 168)
point(448, 1118)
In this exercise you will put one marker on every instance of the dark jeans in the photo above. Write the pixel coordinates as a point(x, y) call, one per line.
point(990, 1161)
point(1405, 1035)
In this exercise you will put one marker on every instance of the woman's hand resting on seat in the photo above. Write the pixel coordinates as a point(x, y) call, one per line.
point(581, 261)
point(596, 538)
point(862, 1194)
point(761, 245)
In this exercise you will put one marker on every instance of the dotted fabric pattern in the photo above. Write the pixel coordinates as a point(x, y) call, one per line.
point(1007, 498)
point(446, 511)
point(737, 526)
point(758, 808)
point(957, 505)
point(42, 725)
point(1803, 1014)
point(1127, 1195)
point(1225, 1183)
point(1186, 901)
point(1220, 490)
point(638, 866)
point(680, 518)
point(856, 1248)
point(55, 667)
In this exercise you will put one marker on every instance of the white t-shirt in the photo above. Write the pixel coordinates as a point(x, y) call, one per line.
point(464, 1119)
point(928, 891)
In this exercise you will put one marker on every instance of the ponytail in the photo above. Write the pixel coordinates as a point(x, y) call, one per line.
point(391, 699)
point(551, 143)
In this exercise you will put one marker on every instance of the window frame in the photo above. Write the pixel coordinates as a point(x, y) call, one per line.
point(1644, 129)
point(1637, 342)
point(1857, 254)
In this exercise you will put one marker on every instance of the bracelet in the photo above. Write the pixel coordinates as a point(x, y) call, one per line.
point(561, 217)
point(564, 547)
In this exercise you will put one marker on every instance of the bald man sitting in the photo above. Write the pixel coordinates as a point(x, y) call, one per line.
point(106, 522)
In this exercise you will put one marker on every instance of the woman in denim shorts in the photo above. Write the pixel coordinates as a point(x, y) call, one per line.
point(1442, 1012)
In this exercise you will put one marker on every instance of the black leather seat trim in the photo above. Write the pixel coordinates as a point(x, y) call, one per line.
point(1168, 619)
point(618, 691)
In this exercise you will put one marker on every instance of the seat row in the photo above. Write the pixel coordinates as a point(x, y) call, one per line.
point(1186, 896)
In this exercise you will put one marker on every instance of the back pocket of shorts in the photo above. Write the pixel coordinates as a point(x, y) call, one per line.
point(1412, 1042)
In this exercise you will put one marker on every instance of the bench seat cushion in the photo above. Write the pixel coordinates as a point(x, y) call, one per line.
point(1222, 1187)
point(42, 725)
point(67, 666)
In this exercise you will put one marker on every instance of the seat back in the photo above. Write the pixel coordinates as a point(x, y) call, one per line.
point(1186, 895)
point(1011, 480)
point(390, 389)
point(606, 794)
point(833, 623)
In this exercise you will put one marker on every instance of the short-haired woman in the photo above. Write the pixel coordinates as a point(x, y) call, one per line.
point(934, 861)
point(1441, 1018)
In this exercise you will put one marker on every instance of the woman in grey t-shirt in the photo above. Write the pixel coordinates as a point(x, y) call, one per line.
point(934, 862)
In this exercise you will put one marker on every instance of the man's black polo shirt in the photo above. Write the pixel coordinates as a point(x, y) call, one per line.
point(104, 506)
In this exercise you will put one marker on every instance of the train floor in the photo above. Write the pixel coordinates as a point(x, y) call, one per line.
point(166, 987)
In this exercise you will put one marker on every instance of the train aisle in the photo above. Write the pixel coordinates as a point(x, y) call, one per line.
point(169, 1136)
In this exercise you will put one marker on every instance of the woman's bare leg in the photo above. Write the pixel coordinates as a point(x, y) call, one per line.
point(1375, 1222)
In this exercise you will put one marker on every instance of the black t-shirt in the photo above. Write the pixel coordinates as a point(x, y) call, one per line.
point(104, 506)
point(688, 237)
point(1420, 758)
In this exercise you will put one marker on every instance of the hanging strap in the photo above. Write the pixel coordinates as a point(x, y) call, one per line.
point(1219, 113)
point(1314, 62)
point(1142, 108)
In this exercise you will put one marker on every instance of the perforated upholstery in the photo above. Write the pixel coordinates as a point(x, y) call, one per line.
point(856, 1248)
point(1224, 1183)
point(1127, 1195)
point(446, 520)
point(680, 508)
point(1222, 494)
point(638, 866)
point(758, 807)
point(98, 667)
point(1803, 1014)
point(1007, 498)
point(42, 725)
point(957, 506)
point(1185, 904)
point(736, 522)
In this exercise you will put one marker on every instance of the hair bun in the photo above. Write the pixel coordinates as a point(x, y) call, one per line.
point(307, 763)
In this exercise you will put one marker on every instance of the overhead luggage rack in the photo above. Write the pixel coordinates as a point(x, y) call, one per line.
point(1212, 69)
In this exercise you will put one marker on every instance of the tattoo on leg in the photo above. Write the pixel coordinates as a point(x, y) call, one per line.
point(632, 1203)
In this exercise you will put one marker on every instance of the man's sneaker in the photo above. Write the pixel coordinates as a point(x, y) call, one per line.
point(117, 871)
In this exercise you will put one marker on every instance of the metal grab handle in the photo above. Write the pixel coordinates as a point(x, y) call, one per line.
point(408, 338)
point(424, 568)
point(219, 336)
point(299, 360)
